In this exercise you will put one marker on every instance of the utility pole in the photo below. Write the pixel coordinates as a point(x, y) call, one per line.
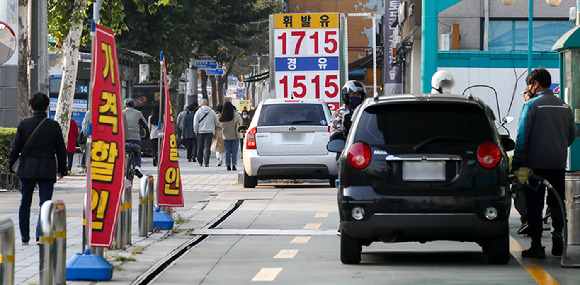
point(37, 13)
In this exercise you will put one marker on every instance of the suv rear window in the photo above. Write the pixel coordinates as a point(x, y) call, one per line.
point(292, 114)
point(403, 124)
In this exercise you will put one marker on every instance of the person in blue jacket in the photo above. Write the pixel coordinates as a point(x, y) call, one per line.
point(546, 129)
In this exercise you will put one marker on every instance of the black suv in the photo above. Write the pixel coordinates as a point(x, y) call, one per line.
point(423, 168)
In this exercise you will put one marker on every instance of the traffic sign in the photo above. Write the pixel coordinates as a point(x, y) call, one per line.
point(206, 64)
point(216, 71)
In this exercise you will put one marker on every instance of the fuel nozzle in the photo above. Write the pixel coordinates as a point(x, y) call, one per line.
point(522, 175)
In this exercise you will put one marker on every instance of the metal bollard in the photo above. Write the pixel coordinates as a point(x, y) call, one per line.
point(6, 251)
point(52, 243)
point(143, 205)
point(150, 204)
point(128, 213)
point(572, 204)
point(119, 239)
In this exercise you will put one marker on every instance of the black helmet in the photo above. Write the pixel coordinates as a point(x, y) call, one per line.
point(350, 87)
point(129, 102)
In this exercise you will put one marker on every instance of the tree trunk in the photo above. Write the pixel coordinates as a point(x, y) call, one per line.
point(223, 80)
point(70, 51)
point(214, 95)
point(203, 84)
point(23, 57)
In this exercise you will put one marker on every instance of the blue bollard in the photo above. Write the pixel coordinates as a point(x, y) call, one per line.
point(162, 220)
point(88, 266)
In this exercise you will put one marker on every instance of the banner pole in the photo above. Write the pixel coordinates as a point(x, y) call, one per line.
point(88, 202)
point(159, 122)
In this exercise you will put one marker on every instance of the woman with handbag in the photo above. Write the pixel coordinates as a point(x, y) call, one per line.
point(230, 120)
point(35, 144)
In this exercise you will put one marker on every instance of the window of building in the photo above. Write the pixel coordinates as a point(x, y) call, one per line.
point(511, 35)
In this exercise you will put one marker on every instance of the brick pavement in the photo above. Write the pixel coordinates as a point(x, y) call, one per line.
point(200, 184)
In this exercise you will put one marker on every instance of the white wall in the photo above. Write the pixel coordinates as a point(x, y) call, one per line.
point(503, 80)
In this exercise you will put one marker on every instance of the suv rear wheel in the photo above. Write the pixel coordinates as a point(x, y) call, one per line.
point(499, 250)
point(250, 181)
point(350, 249)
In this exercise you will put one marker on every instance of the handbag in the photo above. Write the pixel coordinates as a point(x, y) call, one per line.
point(17, 162)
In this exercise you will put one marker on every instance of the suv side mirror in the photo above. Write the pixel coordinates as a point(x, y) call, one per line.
point(242, 129)
point(507, 143)
point(335, 145)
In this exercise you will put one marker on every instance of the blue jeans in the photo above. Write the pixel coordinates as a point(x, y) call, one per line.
point(137, 153)
point(231, 151)
point(46, 187)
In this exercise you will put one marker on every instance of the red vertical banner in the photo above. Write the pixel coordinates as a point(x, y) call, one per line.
point(107, 154)
point(170, 194)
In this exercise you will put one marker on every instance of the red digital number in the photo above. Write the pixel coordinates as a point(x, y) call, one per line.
point(328, 40)
point(298, 84)
point(283, 38)
point(300, 35)
point(316, 81)
point(315, 38)
point(284, 81)
point(329, 83)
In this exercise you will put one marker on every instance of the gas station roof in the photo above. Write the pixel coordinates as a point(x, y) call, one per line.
point(570, 40)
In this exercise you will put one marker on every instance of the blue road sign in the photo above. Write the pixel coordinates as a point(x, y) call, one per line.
point(206, 64)
point(217, 71)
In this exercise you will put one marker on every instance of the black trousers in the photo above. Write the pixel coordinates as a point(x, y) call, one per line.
point(204, 148)
point(535, 202)
point(191, 147)
point(70, 156)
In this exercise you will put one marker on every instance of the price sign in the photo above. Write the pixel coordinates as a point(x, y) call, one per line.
point(305, 53)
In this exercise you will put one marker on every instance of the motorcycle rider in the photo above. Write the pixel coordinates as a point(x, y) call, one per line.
point(353, 94)
point(442, 82)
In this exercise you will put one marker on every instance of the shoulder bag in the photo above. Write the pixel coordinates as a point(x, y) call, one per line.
point(17, 162)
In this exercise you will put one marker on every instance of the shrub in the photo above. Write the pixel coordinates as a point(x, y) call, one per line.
point(6, 138)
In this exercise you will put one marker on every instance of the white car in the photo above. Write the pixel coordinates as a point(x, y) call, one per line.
point(287, 140)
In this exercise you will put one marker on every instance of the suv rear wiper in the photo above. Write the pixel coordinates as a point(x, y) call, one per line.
point(432, 139)
point(301, 122)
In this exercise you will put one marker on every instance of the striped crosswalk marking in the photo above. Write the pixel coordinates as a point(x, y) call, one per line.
point(267, 274)
point(300, 240)
point(312, 226)
point(321, 215)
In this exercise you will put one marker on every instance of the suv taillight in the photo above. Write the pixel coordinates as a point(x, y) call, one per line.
point(488, 155)
point(251, 138)
point(359, 155)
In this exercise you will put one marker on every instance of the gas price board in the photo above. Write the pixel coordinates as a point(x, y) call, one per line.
point(306, 49)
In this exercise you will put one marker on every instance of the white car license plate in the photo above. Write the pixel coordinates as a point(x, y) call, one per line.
point(424, 171)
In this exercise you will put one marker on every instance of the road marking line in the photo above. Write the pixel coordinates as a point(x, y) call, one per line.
point(312, 226)
point(300, 240)
point(267, 274)
point(530, 265)
point(321, 215)
point(286, 253)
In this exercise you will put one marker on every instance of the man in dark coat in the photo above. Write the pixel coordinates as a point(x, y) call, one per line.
point(188, 135)
point(38, 164)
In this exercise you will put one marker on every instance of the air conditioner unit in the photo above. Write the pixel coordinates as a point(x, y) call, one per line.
point(445, 42)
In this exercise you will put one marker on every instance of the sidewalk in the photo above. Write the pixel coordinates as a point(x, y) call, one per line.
point(200, 185)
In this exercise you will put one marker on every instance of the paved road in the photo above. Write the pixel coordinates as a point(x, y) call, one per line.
point(286, 234)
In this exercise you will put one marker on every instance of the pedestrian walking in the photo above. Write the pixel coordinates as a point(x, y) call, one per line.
point(188, 136)
point(153, 122)
point(134, 121)
point(71, 147)
point(204, 123)
point(246, 120)
point(179, 125)
point(38, 139)
point(545, 131)
point(217, 143)
point(83, 140)
point(230, 120)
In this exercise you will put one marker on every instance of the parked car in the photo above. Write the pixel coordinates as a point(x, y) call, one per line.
point(287, 140)
point(423, 168)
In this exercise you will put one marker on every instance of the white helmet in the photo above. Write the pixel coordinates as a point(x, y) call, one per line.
point(442, 82)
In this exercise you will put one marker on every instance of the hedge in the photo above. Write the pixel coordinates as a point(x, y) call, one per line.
point(6, 138)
